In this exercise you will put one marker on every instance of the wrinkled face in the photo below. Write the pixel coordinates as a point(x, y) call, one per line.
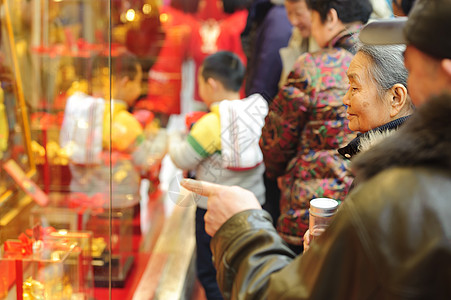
point(299, 16)
point(319, 30)
point(426, 77)
point(365, 110)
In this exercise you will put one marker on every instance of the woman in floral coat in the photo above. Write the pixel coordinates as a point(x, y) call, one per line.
point(307, 122)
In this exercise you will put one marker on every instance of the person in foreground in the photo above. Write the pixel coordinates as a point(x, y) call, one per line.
point(391, 237)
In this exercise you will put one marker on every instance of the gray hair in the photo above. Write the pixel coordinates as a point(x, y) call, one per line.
point(387, 67)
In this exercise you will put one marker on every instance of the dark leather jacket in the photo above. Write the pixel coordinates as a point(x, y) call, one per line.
point(391, 239)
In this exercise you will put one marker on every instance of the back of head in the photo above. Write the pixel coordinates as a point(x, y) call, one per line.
point(225, 67)
point(348, 11)
point(428, 27)
point(124, 65)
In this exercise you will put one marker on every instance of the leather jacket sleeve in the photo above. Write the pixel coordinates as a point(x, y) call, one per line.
point(253, 262)
point(389, 240)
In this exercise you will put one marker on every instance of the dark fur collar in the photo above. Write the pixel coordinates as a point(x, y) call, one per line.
point(352, 149)
point(424, 140)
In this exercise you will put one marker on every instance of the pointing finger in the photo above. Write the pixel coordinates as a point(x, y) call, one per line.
point(200, 187)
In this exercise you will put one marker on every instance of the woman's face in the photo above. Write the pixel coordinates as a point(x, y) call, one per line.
point(365, 110)
point(319, 30)
point(299, 16)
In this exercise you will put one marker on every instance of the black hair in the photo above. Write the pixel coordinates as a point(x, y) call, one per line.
point(348, 10)
point(226, 67)
point(231, 6)
point(125, 65)
point(407, 5)
point(188, 6)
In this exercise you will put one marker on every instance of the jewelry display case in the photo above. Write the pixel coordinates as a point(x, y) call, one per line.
point(47, 264)
point(103, 216)
point(15, 139)
point(48, 54)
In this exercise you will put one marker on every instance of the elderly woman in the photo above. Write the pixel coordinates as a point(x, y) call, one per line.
point(306, 123)
point(377, 100)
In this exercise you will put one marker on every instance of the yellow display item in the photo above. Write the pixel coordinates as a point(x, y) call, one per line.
point(125, 131)
point(78, 86)
point(56, 155)
point(33, 290)
point(38, 152)
point(98, 246)
point(53, 270)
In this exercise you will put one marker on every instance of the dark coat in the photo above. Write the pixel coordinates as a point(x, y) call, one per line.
point(272, 32)
point(391, 238)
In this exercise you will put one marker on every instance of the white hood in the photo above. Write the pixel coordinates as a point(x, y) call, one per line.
point(241, 127)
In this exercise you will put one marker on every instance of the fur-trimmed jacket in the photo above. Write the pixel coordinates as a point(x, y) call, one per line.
point(364, 141)
point(391, 238)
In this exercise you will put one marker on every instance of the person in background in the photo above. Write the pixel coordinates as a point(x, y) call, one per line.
point(209, 16)
point(267, 30)
point(307, 122)
point(165, 77)
point(222, 146)
point(301, 39)
point(390, 238)
point(402, 7)
point(231, 28)
point(300, 42)
point(210, 9)
point(93, 126)
point(377, 100)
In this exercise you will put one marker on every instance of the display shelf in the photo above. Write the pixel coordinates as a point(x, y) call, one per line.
point(48, 49)
point(51, 268)
point(170, 273)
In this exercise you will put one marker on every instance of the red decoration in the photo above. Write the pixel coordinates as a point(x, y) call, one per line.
point(192, 118)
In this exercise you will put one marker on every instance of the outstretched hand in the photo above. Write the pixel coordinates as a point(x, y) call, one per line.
point(223, 202)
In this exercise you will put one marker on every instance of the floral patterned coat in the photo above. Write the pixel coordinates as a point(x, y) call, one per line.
point(305, 126)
